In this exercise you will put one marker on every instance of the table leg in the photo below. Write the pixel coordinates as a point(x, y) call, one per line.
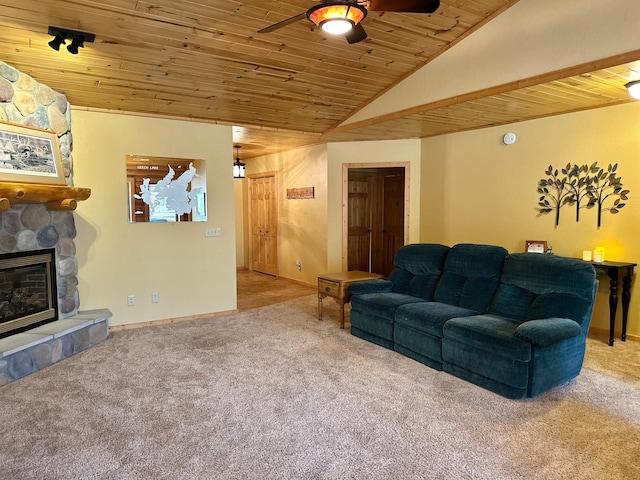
point(613, 302)
point(626, 299)
point(342, 302)
point(320, 306)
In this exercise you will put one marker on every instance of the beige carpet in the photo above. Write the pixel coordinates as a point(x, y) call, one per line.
point(272, 393)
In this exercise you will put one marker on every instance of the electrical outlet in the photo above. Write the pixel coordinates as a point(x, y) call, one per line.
point(131, 300)
point(299, 265)
point(213, 232)
point(155, 297)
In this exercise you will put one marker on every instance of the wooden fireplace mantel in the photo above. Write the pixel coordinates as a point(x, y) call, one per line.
point(56, 197)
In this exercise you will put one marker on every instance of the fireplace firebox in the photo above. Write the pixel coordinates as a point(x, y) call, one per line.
point(28, 296)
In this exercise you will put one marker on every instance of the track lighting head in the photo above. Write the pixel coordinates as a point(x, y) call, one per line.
point(77, 39)
point(75, 44)
point(56, 42)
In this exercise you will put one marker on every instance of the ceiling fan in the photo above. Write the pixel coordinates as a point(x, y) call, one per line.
point(343, 17)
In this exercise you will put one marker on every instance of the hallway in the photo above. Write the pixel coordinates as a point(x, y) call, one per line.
point(257, 290)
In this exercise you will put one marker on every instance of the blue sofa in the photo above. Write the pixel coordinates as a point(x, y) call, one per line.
point(515, 324)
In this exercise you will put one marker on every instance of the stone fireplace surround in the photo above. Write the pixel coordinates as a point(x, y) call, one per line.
point(27, 227)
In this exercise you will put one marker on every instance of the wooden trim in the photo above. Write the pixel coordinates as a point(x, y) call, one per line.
point(603, 333)
point(263, 174)
point(498, 89)
point(345, 200)
point(300, 282)
point(167, 321)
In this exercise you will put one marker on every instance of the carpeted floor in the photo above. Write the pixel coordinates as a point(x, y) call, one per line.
point(273, 393)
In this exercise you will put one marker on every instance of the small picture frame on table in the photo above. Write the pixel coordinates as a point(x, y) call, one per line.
point(535, 246)
point(30, 155)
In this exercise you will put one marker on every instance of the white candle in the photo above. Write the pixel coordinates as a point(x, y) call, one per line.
point(597, 256)
point(586, 255)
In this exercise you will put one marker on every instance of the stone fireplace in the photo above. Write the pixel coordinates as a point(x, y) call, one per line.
point(29, 225)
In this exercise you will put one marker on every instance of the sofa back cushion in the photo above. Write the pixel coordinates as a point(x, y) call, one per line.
point(471, 276)
point(417, 269)
point(536, 286)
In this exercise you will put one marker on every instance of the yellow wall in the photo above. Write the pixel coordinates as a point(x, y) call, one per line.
point(487, 190)
point(311, 230)
point(193, 274)
point(302, 224)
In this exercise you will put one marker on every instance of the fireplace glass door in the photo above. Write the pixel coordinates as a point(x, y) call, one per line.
point(27, 291)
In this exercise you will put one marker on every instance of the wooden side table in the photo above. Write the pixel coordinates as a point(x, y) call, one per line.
point(336, 285)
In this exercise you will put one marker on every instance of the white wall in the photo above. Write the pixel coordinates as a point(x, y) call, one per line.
point(194, 275)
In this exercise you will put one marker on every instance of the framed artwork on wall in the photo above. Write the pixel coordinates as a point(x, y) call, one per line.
point(29, 155)
point(535, 246)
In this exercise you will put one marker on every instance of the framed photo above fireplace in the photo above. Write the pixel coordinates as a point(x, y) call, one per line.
point(30, 155)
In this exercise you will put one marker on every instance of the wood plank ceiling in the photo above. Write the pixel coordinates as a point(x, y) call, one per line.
point(203, 60)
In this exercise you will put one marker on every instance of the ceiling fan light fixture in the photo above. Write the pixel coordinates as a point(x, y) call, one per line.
point(336, 26)
point(634, 89)
point(337, 18)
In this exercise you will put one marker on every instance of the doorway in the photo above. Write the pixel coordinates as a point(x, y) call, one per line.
point(262, 212)
point(375, 216)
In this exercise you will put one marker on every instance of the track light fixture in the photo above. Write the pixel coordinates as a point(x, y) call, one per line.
point(77, 39)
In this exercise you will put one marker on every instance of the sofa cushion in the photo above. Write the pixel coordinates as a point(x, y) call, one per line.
point(381, 304)
point(491, 333)
point(548, 331)
point(512, 301)
point(417, 269)
point(429, 316)
point(370, 286)
point(535, 286)
point(471, 276)
point(563, 305)
point(540, 274)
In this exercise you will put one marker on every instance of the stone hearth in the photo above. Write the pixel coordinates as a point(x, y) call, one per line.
point(33, 350)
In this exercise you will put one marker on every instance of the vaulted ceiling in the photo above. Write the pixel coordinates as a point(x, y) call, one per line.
point(204, 60)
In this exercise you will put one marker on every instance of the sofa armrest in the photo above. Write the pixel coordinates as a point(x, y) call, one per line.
point(548, 331)
point(370, 286)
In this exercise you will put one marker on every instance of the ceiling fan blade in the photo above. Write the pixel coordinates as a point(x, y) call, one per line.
point(283, 23)
point(405, 6)
point(356, 34)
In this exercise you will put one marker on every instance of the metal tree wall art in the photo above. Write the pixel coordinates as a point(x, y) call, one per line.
point(577, 184)
point(554, 192)
point(606, 185)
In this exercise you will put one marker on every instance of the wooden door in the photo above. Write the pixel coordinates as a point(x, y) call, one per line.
point(360, 222)
point(263, 232)
point(375, 218)
point(392, 220)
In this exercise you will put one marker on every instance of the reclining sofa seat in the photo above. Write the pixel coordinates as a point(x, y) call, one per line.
point(534, 336)
point(417, 270)
point(470, 278)
point(514, 324)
